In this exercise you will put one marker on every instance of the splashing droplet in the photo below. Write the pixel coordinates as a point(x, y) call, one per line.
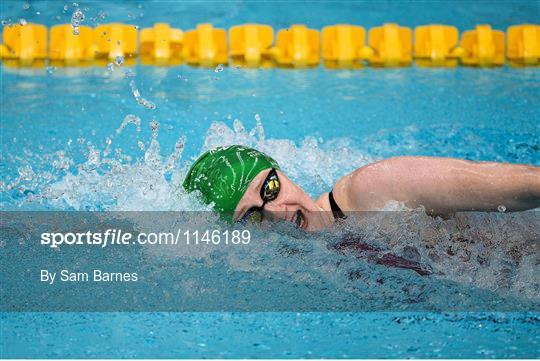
point(259, 129)
point(501, 208)
point(76, 19)
point(238, 126)
point(26, 6)
point(152, 156)
point(219, 68)
point(107, 151)
point(94, 158)
point(177, 154)
point(154, 125)
point(130, 119)
point(50, 69)
point(63, 161)
point(26, 173)
point(119, 60)
point(145, 103)
point(22, 21)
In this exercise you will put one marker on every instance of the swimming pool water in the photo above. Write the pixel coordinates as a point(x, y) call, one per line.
point(61, 151)
point(283, 335)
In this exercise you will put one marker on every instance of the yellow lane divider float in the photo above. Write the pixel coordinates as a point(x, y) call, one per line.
point(344, 46)
point(297, 47)
point(524, 44)
point(70, 49)
point(205, 46)
point(252, 45)
point(391, 44)
point(436, 45)
point(482, 46)
point(161, 45)
point(24, 43)
point(115, 40)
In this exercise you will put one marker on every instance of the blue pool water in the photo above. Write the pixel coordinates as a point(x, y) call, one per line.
point(66, 145)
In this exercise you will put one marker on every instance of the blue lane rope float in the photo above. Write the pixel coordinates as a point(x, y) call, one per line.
point(254, 45)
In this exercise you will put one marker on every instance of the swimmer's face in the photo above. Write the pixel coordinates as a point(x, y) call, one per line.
point(284, 201)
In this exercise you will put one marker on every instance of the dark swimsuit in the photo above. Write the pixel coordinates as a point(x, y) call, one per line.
point(336, 211)
point(370, 253)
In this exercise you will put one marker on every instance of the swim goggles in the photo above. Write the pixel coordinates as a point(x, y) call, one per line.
point(269, 191)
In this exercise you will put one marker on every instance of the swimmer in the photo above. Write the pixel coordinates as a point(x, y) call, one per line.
point(245, 185)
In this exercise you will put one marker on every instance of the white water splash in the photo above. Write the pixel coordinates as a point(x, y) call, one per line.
point(129, 119)
point(145, 103)
point(111, 180)
point(106, 182)
point(313, 167)
point(499, 254)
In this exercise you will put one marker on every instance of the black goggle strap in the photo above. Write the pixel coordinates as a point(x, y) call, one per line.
point(252, 215)
point(269, 191)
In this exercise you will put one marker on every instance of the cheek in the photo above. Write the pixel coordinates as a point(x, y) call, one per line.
point(297, 197)
point(292, 194)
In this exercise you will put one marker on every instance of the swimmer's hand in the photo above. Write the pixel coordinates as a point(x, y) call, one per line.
point(441, 185)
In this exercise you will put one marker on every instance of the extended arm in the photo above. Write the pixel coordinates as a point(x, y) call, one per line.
point(442, 185)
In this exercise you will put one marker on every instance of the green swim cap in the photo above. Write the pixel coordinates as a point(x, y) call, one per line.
point(223, 174)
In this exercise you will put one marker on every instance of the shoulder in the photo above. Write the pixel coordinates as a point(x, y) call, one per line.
point(363, 176)
point(369, 187)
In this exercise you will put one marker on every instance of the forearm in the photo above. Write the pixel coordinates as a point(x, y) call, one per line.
point(457, 185)
point(443, 185)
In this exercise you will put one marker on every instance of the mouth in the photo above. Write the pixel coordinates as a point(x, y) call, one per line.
point(299, 219)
